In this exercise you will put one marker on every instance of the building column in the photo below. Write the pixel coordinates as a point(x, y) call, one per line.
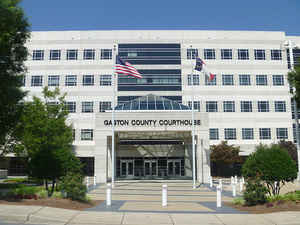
point(203, 156)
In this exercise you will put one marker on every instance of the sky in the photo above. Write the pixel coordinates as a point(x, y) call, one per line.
point(269, 15)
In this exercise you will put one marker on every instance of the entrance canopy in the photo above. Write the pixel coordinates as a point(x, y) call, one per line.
point(152, 102)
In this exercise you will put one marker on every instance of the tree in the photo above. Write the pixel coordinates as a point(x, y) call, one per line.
point(294, 80)
point(291, 148)
point(272, 165)
point(45, 138)
point(224, 154)
point(14, 31)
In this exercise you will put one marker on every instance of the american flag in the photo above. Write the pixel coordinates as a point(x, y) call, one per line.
point(123, 67)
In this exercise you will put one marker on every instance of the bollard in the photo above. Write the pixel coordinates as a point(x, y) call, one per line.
point(233, 190)
point(108, 195)
point(220, 184)
point(164, 195)
point(241, 185)
point(95, 181)
point(219, 200)
point(211, 182)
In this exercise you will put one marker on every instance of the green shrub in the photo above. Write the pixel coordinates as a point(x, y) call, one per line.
point(255, 192)
point(73, 185)
point(42, 193)
point(238, 201)
point(272, 165)
point(57, 194)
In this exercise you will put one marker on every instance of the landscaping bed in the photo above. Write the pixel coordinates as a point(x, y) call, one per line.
point(277, 206)
point(53, 202)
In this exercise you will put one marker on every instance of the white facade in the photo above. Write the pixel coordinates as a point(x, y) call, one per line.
point(263, 97)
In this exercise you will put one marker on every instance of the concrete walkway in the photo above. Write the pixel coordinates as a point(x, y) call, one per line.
point(44, 215)
point(139, 202)
point(146, 197)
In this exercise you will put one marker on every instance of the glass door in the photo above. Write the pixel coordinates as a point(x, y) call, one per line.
point(150, 167)
point(174, 168)
point(127, 168)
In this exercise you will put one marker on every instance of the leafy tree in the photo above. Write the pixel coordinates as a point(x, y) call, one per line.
point(291, 148)
point(14, 31)
point(272, 165)
point(46, 139)
point(294, 80)
point(224, 155)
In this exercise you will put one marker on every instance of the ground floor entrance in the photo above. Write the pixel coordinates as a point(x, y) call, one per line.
point(150, 168)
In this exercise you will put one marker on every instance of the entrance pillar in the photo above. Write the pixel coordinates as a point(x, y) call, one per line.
point(203, 157)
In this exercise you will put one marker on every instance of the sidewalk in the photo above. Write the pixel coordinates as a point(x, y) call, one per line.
point(46, 215)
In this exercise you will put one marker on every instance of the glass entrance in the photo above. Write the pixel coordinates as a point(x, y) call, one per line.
point(127, 168)
point(150, 167)
point(174, 168)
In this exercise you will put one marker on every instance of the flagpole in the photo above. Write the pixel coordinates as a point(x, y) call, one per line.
point(193, 128)
point(113, 122)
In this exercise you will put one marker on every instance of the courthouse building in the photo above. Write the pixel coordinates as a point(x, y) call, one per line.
point(247, 103)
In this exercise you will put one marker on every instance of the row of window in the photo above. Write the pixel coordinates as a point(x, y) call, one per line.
point(70, 80)
point(245, 106)
point(227, 54)
point(211, 106)
point(244, 80)
point(229, 134)
point(72, 54)
point(105, 80)
point(248, 133)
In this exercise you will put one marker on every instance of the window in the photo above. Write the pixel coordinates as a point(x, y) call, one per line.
point(88, 80)
point(227, 80)
point(38, 55)
point(276, 54)
point(245, 80)
point(213, 134)
point(247, 133)
point(226, 53)
point(192, 53)
point(72, 54)
point(212, 82)
point(211, 106)
point(261, 80)
point(278, 80)
point(228, 106)
point(282, 133)
point(259, 54)
point(106, 54)
point(89, 54)
point(73, 134)
point(196, 105)
point(264, 133)
point(54, 54)
point(246, 106)
point(36, 81)
point(230, 133)
point(263, 106)
point(103, 106)
point(209, 54)
point(71, 107)
point(243, 54)
point(195, 78)
point(280, 106)
point(87, 107)
point(105, 80)
point(71, 80)
point(86, 134)
point(53, 80)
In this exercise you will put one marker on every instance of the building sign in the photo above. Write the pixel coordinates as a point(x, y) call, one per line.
point(153, 123)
